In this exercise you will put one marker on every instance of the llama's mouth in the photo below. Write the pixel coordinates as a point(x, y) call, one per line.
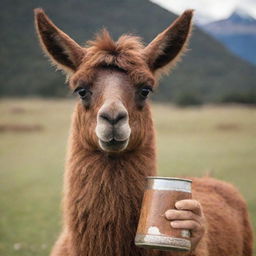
point(113, 145)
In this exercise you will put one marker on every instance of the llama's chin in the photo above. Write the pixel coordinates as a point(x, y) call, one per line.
point(113, 145)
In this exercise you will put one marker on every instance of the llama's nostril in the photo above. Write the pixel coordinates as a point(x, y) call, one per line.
point(113, 119)
point(120, 117)
point(105, 117)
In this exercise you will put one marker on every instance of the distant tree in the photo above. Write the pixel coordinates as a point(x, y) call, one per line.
point(241, 98)
point(184, 99)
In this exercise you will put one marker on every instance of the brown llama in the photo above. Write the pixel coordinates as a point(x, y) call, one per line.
point(112, 150)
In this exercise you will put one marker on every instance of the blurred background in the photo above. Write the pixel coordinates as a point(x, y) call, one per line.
point(204, 112)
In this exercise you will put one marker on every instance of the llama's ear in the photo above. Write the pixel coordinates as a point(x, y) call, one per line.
point(64, 52)
point(164, 51)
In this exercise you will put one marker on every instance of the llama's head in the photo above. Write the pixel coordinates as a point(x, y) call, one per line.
point(113, 79)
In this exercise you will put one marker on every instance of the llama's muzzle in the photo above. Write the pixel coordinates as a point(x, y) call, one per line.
point(113, 129)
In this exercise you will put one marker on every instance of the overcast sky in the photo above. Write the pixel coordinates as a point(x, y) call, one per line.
point(209, 9)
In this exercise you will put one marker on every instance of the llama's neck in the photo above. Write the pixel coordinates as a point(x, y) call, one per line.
point(103, 198)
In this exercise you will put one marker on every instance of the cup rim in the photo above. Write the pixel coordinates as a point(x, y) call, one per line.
point(167, 178)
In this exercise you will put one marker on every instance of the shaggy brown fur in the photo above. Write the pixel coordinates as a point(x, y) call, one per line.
point(126, 54)
point(102, 191)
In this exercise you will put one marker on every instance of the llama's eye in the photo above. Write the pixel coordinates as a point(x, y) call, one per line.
point(82, 92)
point(144, 92)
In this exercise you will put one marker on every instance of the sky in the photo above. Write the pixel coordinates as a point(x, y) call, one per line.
point(209, 10)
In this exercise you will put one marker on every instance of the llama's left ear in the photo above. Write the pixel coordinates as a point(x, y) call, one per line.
point(64, 52)
point(164, 51)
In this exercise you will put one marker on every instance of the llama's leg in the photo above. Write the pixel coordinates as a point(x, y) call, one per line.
point(61, 247)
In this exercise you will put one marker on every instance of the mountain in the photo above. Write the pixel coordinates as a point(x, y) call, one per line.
point(208, 72)
point(238, 33)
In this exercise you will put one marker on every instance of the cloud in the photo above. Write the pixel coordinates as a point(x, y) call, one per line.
point(209, 9)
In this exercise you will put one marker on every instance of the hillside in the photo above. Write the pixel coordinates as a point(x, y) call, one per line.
point(237, 32)
point(208, 71)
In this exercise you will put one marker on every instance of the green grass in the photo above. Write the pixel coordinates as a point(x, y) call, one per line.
point(191, 141)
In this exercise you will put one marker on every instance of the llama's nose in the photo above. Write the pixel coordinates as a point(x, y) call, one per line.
point(113, 118)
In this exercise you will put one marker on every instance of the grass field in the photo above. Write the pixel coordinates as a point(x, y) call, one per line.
point(191, 141)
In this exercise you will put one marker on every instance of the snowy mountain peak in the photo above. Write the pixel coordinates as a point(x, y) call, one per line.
point(240, 14)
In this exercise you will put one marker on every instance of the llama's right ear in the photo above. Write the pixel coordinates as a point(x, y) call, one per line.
point(64, 52)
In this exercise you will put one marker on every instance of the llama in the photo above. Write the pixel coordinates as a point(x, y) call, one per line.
point(112, 149)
